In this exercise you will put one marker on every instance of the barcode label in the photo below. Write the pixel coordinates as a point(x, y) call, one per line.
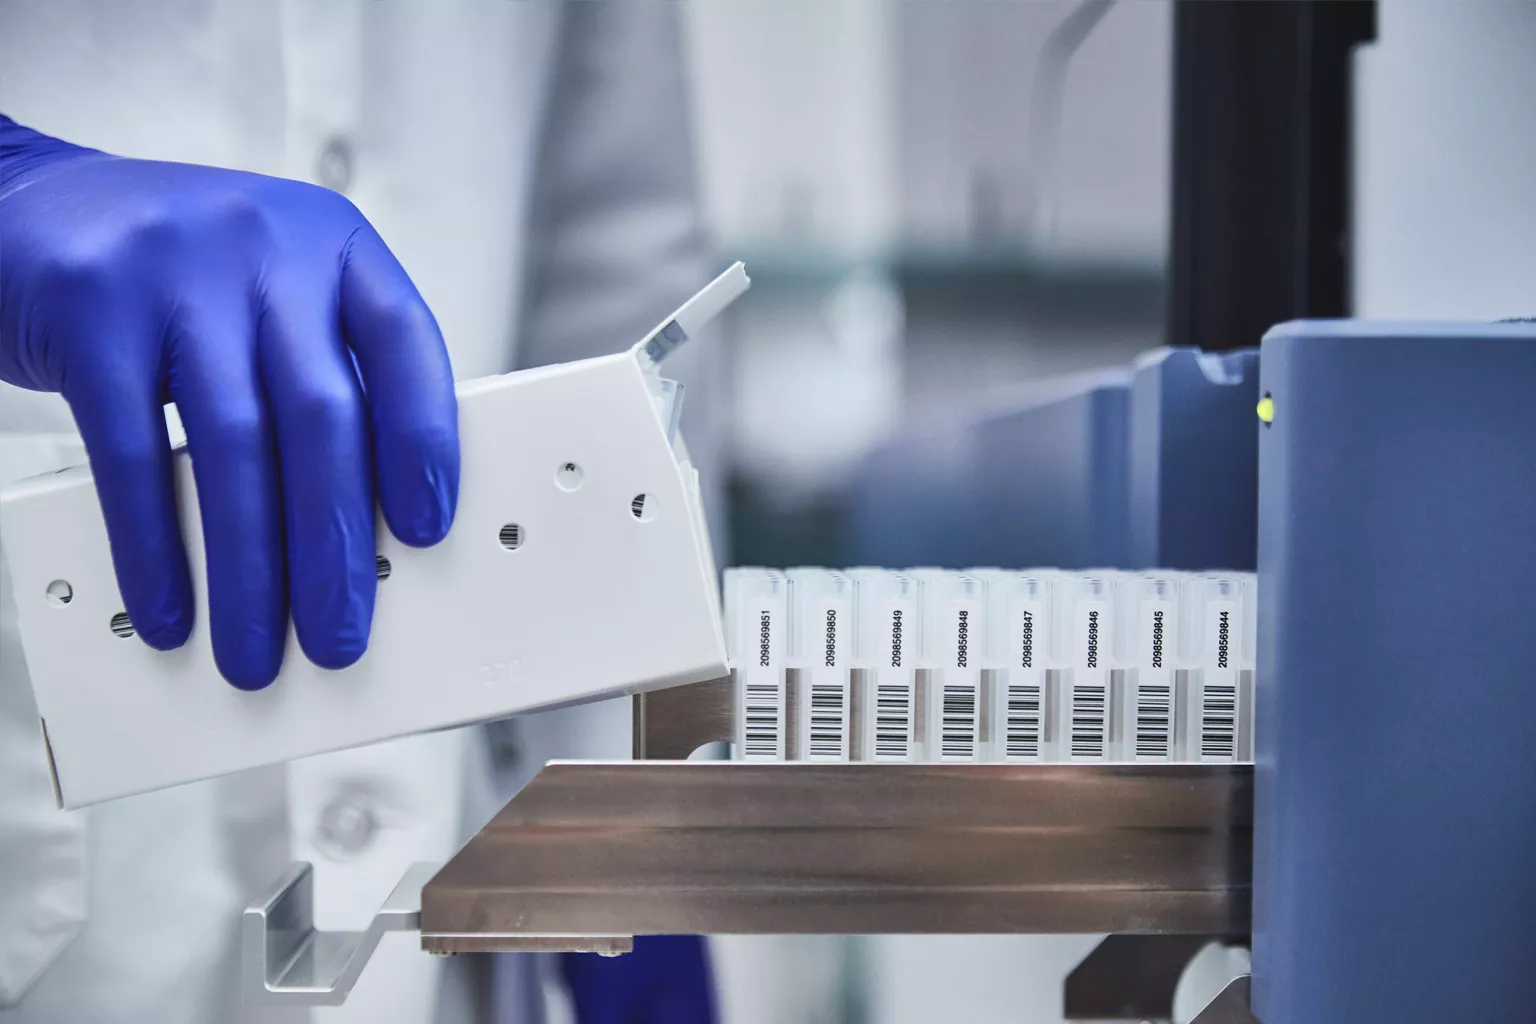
point(958, 722)
point(827, 737)
point(1222, 639)
point(1092, 634)
point(762, 734)
point(893, 721)
point(763, 642)
point(1090, 718)
point(1022, 726)
point(1027, 634)
point(1154, 720)
point(1218, 721)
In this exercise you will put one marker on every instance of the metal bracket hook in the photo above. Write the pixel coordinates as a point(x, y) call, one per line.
point(286, 960)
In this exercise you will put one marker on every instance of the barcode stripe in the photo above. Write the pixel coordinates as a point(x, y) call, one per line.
point(1089, 719)
point(893, 721)
point(1218, 721)
point(1022, 726)
point(763, 721)
point(957, 721)
point(829, 720)
point(1154, 720)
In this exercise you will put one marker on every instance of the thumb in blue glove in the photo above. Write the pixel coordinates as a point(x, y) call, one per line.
point(305, 365)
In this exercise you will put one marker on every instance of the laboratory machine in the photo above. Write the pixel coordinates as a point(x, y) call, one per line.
point(1380, 825)
point(1374, 854)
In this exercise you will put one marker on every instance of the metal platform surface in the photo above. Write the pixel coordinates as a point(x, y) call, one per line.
point(592, 853)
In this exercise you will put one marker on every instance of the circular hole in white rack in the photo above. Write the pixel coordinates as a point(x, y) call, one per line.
point(568, 476)
point(121, 626)
point(643, 507)
point(511, 536)
point(60, 593)
point(382, 567)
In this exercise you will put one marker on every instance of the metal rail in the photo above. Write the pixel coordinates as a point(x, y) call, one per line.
point(591, 853)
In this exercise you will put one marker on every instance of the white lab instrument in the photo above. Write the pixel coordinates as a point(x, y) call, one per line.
point(994, 665)
point(578, 567)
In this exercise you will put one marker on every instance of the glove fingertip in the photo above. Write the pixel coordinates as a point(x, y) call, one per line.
point(161, 613)
point(338, 652)
point(249, 661)
point(167, 636)
point(421, 513)
point(333, 610)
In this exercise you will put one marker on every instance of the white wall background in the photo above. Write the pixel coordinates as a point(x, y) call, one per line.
point(964, 91)
point(837, 137)
point(794, 113)
point(1445, 162)
point(853, 126)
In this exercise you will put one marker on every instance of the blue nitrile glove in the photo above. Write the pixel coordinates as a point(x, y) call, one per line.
point(666, 980)
point(246, 300)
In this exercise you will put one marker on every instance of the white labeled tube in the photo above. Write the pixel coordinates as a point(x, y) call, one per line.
point(757, 614)
point(1018, 635)
point(821, 625)
point(1247, 663)
point(886, 640)
point(1084, 722)
point(1214, 643)
point(954, 642)
point(1148, 715)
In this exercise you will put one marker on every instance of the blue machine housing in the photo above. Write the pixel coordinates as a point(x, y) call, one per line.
point(1156, 467)
point(1395, 831)
point(1074, 450)
point(911, 502)
point(1042, 483)
point(1194, 460)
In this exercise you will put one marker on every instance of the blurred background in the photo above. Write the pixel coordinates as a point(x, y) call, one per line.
point(934, 201)
point(939, 204)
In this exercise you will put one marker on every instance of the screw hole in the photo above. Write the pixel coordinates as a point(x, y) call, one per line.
point(511, 536)
point(568, 476)
point(60, 593)
point(643, 507)
point(382, 566)
point(121, 626)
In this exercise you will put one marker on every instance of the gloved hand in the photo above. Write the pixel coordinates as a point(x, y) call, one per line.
point(304, 364)
point(666, 980)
